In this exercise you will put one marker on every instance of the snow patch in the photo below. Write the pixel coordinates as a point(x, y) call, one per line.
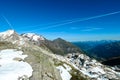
point(33, 36)
point(11, 69)
point(64, 73)
point(7, 33)
point(97, 70)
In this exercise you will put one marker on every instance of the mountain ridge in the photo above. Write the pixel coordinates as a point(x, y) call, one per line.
point(48, 65)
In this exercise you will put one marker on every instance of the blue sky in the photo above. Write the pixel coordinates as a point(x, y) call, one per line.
point(73, 20)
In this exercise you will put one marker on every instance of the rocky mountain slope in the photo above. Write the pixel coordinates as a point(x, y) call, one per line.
point(48, 65)
point(61, 47)
point(57, 46)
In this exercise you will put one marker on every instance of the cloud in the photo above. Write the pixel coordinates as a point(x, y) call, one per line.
point(91, 29)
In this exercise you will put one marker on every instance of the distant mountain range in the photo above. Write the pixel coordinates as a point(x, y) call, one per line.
point(101, 50)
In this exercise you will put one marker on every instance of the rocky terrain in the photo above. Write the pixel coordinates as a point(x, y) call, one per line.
point(93, 68)
point(45, 62)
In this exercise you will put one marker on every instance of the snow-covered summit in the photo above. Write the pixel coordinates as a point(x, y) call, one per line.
point(33, 36)
point(7, 33)
point(11, 36)
point(15, 38)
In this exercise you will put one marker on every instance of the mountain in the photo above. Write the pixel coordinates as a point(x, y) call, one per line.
point(33, 37)
point(42, 65)
point(32, 57)
point(87, 45)
point(9, 35)
point(45, 64)
point(61, 47)
point(100, 50)
point(106, 51)
point(57, 46)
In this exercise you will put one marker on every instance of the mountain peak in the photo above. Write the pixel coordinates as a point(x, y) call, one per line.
point(59, 39)
point(33, 36)
point(7, 33)
point(11, 36)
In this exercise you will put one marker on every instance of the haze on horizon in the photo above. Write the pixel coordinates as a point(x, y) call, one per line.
point(72, 20)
